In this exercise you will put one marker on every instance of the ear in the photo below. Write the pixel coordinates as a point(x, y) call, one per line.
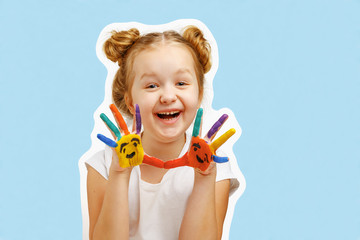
point(129, 103)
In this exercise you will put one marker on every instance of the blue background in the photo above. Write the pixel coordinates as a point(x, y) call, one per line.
point(290, 71)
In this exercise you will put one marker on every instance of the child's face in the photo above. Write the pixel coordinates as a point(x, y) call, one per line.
point(166, 88)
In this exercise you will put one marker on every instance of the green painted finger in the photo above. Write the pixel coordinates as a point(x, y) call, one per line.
point(197, 123)
point(112, 127)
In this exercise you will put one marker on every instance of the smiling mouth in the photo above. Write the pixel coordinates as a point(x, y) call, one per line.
point(202, 160)
point(168, 115)
point(130, 155)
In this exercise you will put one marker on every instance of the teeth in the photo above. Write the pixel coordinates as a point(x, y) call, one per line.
point(169, 113)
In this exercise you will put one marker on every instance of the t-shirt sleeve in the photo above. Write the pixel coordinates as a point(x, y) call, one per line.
point(101, 161)
point(223, 171)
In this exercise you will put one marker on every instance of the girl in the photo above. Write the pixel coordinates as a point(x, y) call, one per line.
point(164, 74)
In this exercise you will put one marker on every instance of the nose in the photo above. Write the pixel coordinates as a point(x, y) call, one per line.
point(168, 96)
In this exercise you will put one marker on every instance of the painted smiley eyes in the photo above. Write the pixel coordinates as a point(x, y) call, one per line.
point(196, 146)
point(135, 143)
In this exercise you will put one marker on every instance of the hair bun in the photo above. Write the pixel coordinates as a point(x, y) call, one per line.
point(119, 43)
point(201, 46)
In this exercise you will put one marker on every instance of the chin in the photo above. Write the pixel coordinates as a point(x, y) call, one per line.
point(171, 135)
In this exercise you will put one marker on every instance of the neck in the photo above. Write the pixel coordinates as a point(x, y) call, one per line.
point(162, 150)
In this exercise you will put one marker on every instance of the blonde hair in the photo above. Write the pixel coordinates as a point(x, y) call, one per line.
point(122, 47)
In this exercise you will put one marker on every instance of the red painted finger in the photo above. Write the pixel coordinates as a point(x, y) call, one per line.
point(153, 161)
point(180, 162)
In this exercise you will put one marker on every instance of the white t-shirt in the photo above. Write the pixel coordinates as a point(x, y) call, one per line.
point(156, 210)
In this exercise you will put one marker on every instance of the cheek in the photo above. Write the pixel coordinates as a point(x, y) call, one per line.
point(196, 96)
point(144, 99)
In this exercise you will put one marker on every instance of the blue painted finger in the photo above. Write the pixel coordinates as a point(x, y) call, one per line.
point(107, 141)
point(197, 123)
point(110, 124)
point(138, 119)
point(218, 159)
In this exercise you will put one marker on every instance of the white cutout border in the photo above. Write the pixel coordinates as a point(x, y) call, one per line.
point(209, 117)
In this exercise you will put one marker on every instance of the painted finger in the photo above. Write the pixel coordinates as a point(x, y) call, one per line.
point(180, 162)
point(107, 141)
point(197, 124)
point(111, 126)
point(119, 119)
point(218, 159)
point(137, 119)
point(153, 161)
point(215, 128)
point(222, 139)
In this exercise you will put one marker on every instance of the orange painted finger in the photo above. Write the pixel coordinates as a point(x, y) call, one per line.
point(119, 119)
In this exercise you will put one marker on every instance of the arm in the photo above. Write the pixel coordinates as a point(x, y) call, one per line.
point(108, 199)
point(222, 189)
point(206, 208)
point(108, 204)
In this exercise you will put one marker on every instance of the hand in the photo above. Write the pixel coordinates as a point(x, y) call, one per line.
point(128, 145)
point(202, 151)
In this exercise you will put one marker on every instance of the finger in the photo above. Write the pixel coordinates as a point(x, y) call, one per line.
point(119, 119)
point(153, 161)
point(107, 141)
point(218, 159)
point(137, 119)
point(215, 128)
point(179, 162)
point(111, 126)
point(197, 123)
point(222, 139)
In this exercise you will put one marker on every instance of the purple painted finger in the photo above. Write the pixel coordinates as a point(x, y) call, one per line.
point(138, 119)
point(215, 128)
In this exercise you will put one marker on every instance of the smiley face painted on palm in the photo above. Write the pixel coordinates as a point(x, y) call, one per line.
point(199, 154)
point(129, 150)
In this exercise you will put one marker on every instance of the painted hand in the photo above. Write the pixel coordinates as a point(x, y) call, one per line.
point(203, 150)
point(128, 147)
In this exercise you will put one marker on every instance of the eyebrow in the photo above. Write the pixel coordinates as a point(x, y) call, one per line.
point(183, 70)
point(122, 146)
point(135, 140)
point(180, 71)
point(196, 145)
point(147, 75)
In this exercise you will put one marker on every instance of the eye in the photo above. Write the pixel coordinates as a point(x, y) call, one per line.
point(195, 149)
point(181, 83)
point(152, 85)
point(135, 144)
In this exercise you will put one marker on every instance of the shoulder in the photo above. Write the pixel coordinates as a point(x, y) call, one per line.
point(100, 162)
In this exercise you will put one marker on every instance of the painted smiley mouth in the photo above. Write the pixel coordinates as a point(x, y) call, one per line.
point(131, 155)
point(168, 115)
point(202, 160)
